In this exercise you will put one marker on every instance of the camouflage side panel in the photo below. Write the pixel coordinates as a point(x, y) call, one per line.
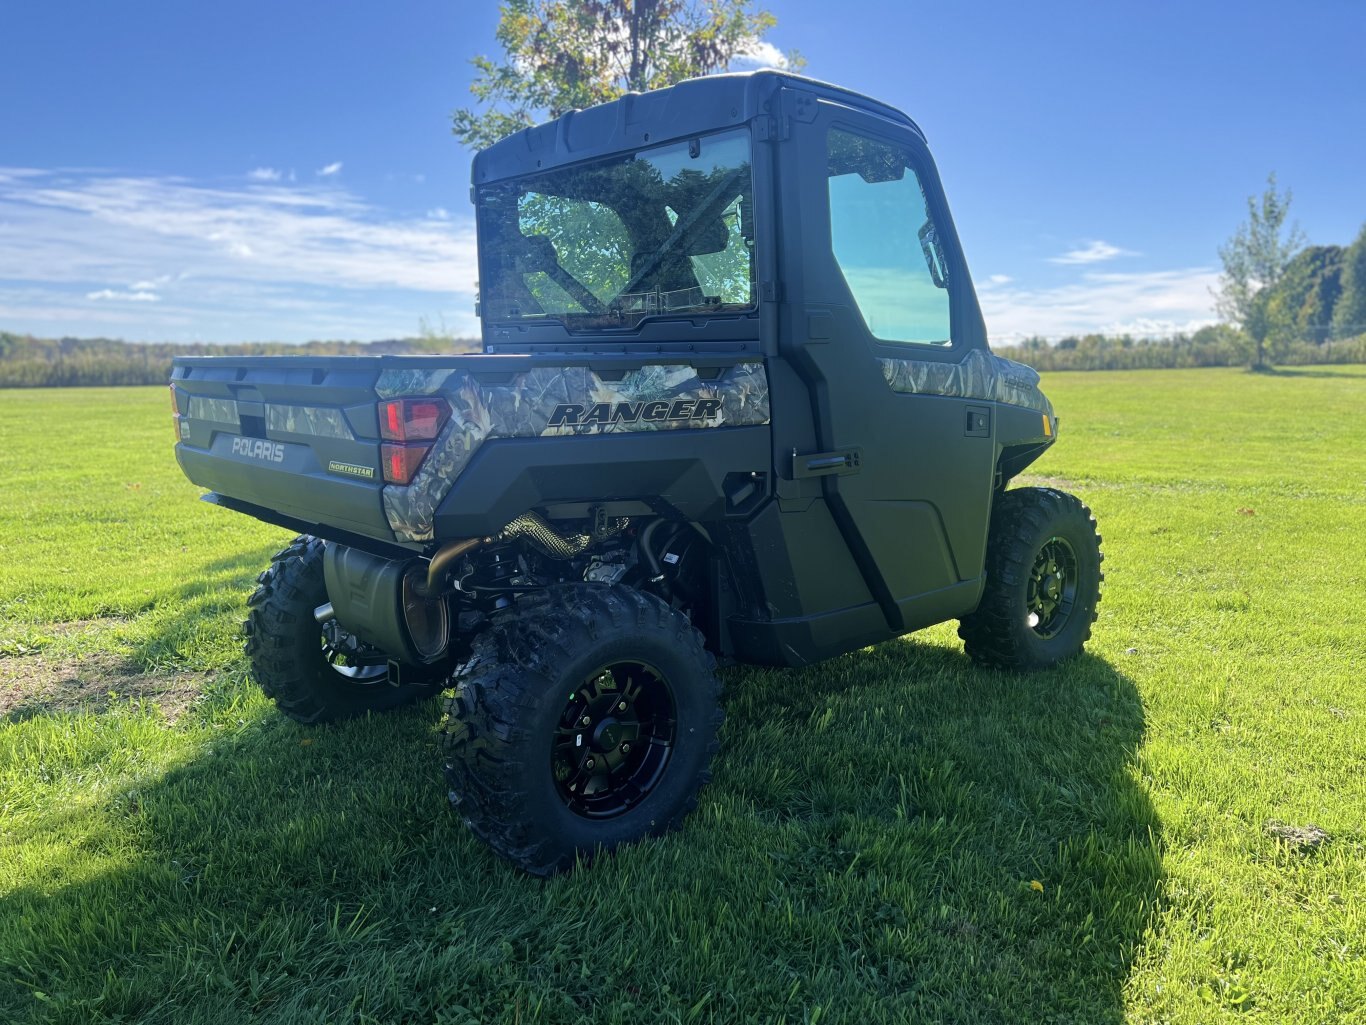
point(219, 411)
point(981, 375)
point(395, 383)
point(559, 402)
point(315, 420)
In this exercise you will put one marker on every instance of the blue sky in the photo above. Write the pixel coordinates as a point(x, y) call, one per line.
point(285, 171)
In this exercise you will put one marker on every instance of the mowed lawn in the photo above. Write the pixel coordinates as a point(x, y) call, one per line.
point(1172, 828)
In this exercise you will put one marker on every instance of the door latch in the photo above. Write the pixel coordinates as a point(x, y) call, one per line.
point(978, 422)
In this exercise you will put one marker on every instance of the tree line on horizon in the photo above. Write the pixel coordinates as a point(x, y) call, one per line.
point(1216, 345)
point(29, 362)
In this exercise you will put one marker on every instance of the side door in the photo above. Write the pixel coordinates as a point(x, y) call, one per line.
point(879, 311)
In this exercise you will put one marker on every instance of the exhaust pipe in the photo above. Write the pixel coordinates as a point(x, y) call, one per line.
point(536, 530)
point(442, 561)
point(531, 526)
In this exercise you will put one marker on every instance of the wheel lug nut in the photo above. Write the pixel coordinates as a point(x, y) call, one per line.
point(589, 764)
point(621, 706)
point(625, 748)
point(585, 721)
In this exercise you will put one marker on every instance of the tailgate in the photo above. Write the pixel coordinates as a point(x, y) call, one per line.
point(295, 436)
point(297, 440)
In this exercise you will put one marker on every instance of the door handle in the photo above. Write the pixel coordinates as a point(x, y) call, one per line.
point(825, 464)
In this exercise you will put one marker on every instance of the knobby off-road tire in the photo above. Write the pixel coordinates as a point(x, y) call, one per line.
point(1043, 580)
point(285, 646)
point(534, 754)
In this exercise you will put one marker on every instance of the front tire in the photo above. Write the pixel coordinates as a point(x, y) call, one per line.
point(1043, 580)
point(289, 652)
point(586, 718)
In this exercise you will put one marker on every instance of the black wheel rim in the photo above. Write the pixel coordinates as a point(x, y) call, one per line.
point(350, 659)
point(1051, 593)
point(614, 740)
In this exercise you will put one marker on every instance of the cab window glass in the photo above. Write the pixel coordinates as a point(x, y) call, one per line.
point(668, 229)
point(885, 241)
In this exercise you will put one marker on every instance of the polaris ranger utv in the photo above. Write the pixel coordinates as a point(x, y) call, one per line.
point(735, 403)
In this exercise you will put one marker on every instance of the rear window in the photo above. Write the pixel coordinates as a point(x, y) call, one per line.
point(665, 230)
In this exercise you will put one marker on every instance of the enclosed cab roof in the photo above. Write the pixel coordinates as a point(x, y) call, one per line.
point(688, 108)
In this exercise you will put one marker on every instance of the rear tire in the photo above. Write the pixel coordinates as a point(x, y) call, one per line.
point(586, 718)
point(285, 646)
point(1043, 580)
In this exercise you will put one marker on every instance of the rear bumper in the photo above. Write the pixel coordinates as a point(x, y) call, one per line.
point(297, 495)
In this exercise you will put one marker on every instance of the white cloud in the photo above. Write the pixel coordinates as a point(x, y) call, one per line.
point(138, 296)
point(264, 174)
point(439, 213)
point(999, 279)
point(330, 170)
point(1092, 252)
point(256, 261)
point(756, 53)
point(231, 243)
point(1148, 303)
point(152, 284)
point(12, 175)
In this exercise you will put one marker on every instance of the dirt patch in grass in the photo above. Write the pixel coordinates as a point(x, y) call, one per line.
point(34, 685)
point(73, 627)
point(1298, 838)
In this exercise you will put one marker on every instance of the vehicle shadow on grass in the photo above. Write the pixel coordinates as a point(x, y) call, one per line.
point(995, 819)
point(230, 574)
point(868, 846)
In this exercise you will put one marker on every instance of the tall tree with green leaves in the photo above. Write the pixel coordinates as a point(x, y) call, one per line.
point(567, 54)
point(1303, 303)
point(1255, 261)
point(1349, 315)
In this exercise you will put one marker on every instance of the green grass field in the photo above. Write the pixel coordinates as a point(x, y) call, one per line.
point(1170, 829)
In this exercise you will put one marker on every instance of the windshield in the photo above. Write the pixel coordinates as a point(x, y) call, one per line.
point(666, 230)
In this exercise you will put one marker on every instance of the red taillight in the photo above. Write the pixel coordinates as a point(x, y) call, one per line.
point(401, 462)
point(412, 419)
point(402, 421)
point(175, 416)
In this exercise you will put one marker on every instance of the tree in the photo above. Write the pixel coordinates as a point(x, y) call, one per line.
point(1304, 301)
point(1349, 316)
point(1255, 260)
point(568, 54)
